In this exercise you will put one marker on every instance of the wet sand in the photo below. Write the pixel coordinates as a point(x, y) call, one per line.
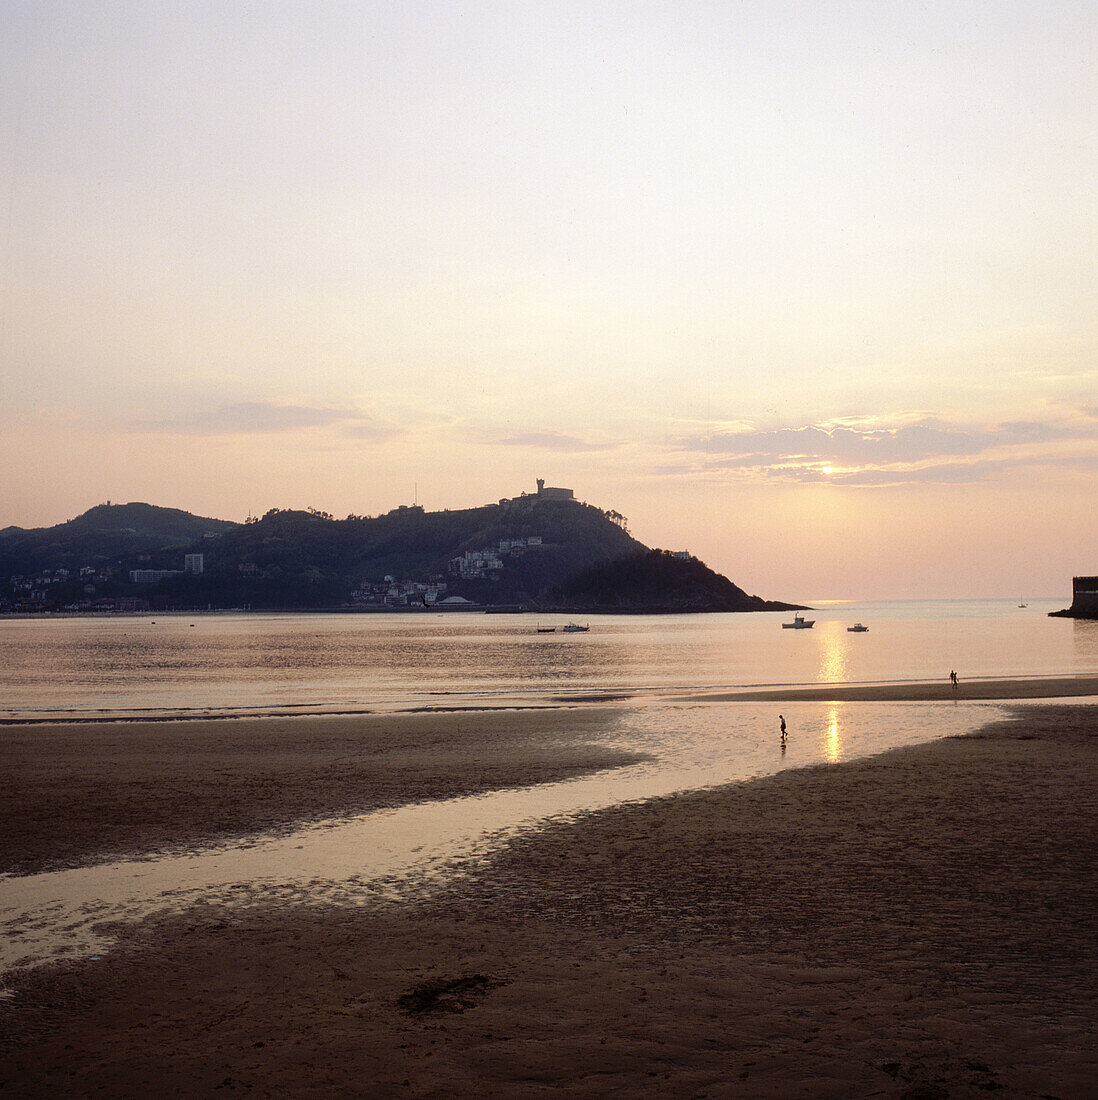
point(1052, 687)
point(87, 792)
point(918, 925)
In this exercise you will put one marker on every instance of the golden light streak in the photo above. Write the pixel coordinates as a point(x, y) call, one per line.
point(833, 655)
point(833, 745)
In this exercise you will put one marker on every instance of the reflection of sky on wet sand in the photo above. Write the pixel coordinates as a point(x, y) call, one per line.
point(386, 855)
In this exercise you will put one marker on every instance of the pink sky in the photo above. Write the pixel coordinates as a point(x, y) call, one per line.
point(805, 288)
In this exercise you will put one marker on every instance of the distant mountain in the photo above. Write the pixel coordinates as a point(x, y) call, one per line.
point(146, 521)
point(536, 550)
point(656, 580)
point(101, 534)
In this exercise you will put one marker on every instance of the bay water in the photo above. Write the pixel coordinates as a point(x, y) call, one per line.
point(156, 665)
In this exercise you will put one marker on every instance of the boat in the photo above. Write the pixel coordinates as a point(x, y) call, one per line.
point(546, 629)
point(857, 628)
point(799, 623)
point(575, 628)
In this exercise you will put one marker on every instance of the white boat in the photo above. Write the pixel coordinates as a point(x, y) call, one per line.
point(799, 623)
point(575, 628)
point(857, 628)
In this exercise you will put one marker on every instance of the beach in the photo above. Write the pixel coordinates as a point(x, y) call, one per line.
point(82, 792)
point(919, 924)
point(1001, 688)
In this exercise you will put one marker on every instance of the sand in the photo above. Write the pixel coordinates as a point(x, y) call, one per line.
point(917, 925)
point(1051, 687)
point(88, 792)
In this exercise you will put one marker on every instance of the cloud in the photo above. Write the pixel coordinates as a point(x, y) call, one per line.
point(961, 473)
point(264, 418)
point(907, 443)
point(554, 441)
point(925, 439)
point(943, 473)
point(924, 451)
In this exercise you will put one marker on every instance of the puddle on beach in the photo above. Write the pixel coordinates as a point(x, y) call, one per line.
point(388, 855)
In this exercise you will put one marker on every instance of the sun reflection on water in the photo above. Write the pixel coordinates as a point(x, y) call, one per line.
point(833, 743)
point(833, 654)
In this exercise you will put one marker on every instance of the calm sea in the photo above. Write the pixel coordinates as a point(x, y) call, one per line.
point(270, 663)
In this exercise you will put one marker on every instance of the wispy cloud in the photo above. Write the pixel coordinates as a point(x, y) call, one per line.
point(926, 450)
point(263, 418)
point(956, 473)
point(368, 428)
point(554, 441)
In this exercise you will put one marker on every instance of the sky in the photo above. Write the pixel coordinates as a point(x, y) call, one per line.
point(805, 288)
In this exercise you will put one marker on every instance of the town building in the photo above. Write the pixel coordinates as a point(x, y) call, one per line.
point(544, 492)
point(151, 576)
point(549, 493)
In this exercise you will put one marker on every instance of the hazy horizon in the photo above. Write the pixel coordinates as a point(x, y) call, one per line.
point(806, 289)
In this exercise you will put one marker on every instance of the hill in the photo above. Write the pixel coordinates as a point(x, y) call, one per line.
point(534, 550)
point(101, 535)
point(656, 580)
point(499, 554)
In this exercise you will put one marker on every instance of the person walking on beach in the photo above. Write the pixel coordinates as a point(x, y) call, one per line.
point(781, 719)
point(953, 677)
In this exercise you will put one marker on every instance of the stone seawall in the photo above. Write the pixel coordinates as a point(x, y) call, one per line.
point(1084, 599)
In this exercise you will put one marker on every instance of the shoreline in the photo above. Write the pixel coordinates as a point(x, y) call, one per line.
point(1002, 689)
point(991, 689)
point(919, 923)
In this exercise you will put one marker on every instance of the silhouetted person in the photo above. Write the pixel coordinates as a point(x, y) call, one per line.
point(781, 718)
point(953, 677)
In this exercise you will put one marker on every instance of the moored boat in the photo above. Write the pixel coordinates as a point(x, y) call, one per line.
point(575, 628)
point(857, 628)
point(799, 623)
